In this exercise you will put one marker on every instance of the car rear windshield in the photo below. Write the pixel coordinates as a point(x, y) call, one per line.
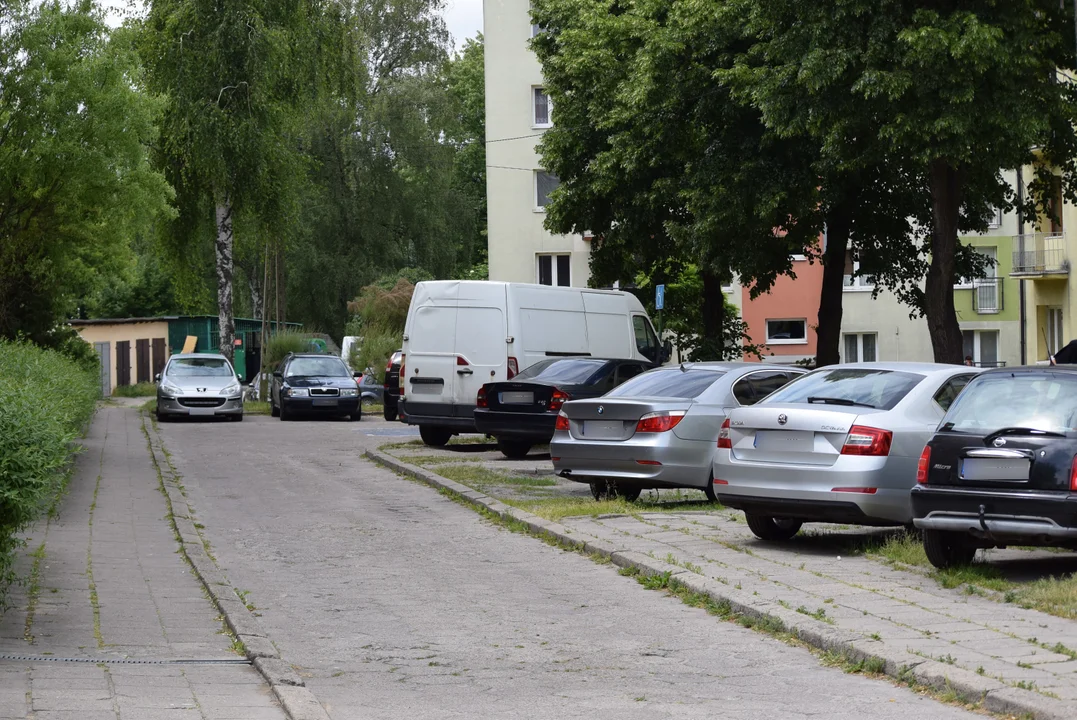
point(869, 387)
point(672, 383)
point(1042, 401)
point(199, 367)
point(323, 367)
point(569, 371)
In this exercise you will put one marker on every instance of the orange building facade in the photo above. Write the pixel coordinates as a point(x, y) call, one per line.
point(783, 320)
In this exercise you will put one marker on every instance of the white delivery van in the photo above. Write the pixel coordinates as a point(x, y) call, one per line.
point(461, 334)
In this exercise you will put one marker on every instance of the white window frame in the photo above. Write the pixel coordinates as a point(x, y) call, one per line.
point(553, 268)
point(977, 358)
point(996, 222)
point(535, 190)
point(859, 284)
point(1054, 330)
point(785, 341)
point(535, 124)
point(860, 346)
point(964, 283)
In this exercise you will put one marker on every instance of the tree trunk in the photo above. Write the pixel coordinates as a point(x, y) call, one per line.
point(939, 288)
point(828, 331)
point(713, 346)
point(254, 282)
point(224, 247)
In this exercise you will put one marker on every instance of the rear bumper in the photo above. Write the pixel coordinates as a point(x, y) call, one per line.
point(1032, 517)
point(531, 426)
point(459, 418)
point(174, 406)
point(661, 460)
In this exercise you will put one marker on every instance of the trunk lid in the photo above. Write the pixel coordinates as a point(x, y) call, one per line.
point(521, 397)
point(615, 419)
point(1033, 462)
point(793, 433)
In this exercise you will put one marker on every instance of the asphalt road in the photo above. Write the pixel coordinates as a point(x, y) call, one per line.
point(393, 601)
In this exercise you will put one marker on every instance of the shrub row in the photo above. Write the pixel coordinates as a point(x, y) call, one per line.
point(46, 399)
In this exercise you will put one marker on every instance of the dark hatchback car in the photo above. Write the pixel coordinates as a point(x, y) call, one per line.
point(1002, 467)
point(391, 387)
point(313, 384)
point(523, 411)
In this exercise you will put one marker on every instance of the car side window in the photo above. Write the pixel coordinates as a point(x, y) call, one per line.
point(629, 370)
point(950, 390)
point(743, 391)
point(646, 340)
point(767, 382)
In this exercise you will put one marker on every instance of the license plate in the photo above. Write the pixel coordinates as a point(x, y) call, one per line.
point(202, 411)
point(995, 468)
point(785, 440)
point(425, 389)
point(325, 402)
point(517, 398)
point(603, 429)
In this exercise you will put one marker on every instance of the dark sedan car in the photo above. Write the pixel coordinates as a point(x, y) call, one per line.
point(313, 384)
point(391, 394)
point(1002, 468)
point(523, 411)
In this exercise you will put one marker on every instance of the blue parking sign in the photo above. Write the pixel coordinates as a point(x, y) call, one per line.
point(659, 297)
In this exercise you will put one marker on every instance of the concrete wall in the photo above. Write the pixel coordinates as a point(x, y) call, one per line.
point(119, 332)
point(516, 235)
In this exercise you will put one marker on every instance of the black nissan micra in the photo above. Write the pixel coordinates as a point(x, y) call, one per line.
point(1002, 467)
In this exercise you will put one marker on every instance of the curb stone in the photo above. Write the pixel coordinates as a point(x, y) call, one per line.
point(900, 665)
point(297, 700)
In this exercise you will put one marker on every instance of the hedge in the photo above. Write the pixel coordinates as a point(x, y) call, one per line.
point(46, 400)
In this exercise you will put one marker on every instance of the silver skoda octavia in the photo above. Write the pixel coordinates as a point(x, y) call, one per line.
point(199, 385)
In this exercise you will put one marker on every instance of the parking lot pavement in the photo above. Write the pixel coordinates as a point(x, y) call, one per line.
point(393, 601)
point(892, 610)
point(110, 599)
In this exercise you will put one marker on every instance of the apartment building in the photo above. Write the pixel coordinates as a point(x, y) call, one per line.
point(783, 321)
point(518, 188)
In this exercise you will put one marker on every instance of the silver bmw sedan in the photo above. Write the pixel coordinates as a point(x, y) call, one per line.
point(657, 430)
point(840, 444)
point(199, 384)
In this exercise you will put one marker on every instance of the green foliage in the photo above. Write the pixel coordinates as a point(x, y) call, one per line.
point(378, 316)
point(280, 344)
point(75, 179)
point(45, 401)
point(145, 389)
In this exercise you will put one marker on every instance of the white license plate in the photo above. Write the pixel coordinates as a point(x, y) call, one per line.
point(202, 411)
point(517, 398)
point(603, 429)
point(426, 389)
point(325, 402)
point(785, 440)
point(995, 468)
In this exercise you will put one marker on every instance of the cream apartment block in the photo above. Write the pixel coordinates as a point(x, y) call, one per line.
point(517, 187)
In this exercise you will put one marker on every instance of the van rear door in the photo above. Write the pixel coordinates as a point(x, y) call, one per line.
point(481, 352)
point(431, 362)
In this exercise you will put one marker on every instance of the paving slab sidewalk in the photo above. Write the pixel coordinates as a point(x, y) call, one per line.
point(111, 597)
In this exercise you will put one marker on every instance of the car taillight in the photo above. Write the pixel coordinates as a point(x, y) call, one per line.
point(480, 399)
point(657, 422)
point(401, 378)
point(925, 463)
point(723, 437)
point(864, 440)
point(562, 421)
point(513, 368)
point(389, 365)
point(460, 361)
point(559, 398)
point(1073, 476)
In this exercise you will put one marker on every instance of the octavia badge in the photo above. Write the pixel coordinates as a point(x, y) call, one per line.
point(999, 442)
point(600, 409)
point(782, 419)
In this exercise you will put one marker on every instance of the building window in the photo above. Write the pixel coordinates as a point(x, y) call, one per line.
point(1055, 205)
point(541, 108)
point(852, 279)
point(787, 332)
point(981, 346)
point(535, 29)
point(1054, 330)
point(996, 220)
point(860, 347)
point(545, 184)
point(554, 270)
point(991, 253)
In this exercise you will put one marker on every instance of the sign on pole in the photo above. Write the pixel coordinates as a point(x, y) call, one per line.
point(659, 297)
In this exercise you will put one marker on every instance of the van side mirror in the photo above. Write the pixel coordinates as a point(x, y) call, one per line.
point(667, 351)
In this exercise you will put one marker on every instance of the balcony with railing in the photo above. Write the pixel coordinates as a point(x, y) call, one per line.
point(987, 296)
point(1040, 254)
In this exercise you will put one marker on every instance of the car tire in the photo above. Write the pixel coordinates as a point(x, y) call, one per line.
point(947, 549)
point(434, 436)
point(237, 418)
point(766, 527)
point(628, 493)
point(274, 411)
point(161, 417)
point(709, 491)
point(389, 414)
point(513, 449)
point(283, 413)
point(357, 415)
point(611, 490)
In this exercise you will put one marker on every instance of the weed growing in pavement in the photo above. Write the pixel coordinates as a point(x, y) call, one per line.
point(819, 614)
point(33, 589)
point(481, 478)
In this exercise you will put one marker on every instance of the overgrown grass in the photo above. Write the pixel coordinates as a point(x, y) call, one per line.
point(480, 478)
point(46, 399)
point(146, 389)
point(255, 407)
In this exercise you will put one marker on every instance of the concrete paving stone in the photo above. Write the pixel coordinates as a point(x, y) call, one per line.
point(84, 714)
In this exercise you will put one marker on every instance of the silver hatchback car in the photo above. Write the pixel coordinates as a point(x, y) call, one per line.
point(658, 429)
point(840, 444)
point(199, 384)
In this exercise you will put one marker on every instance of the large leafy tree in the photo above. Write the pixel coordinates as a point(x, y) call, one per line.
point(75, 179)
point(945, 93)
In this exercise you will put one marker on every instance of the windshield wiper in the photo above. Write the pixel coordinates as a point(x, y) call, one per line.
point(839, 401)
point(1022, 431)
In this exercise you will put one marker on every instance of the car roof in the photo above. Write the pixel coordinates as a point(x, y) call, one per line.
point(729, 366)
point(204, 356)
point(313, 355)
point(1025, 369)
point(923, 368)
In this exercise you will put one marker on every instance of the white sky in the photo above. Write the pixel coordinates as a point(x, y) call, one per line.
point(463, 17)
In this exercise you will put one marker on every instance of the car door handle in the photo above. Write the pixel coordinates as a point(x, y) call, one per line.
point(465, 371)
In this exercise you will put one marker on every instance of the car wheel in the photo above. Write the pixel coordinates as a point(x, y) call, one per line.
point(947, 549)
point(603, 490)
point(357, 415)
point(283, 413)
point(238, 418)
point(434, 436)
point(514, 449)
point(274, 411)
point(161, 417)
point(388, 413)
point(709, 491)
point(629, 493)
point(766, 527)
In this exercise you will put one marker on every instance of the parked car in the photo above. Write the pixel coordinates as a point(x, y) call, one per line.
point(313, 384)
point(461, 334)
point(199, 385)
point(391, 387)
point(523, 411)
point(1002, 468)
point(837, 445)
point(370, 390)
point(657, 430)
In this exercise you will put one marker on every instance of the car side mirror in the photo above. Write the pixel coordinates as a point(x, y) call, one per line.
point(239, 379)
point(277, 374)
point(157, 377)
point(357, 375)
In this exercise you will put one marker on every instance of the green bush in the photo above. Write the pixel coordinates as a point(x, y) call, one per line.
point(280, 344)
point(145, 389)
point(46, 399)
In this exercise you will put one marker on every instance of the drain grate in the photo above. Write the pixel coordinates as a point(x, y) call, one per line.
point(121, 661)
